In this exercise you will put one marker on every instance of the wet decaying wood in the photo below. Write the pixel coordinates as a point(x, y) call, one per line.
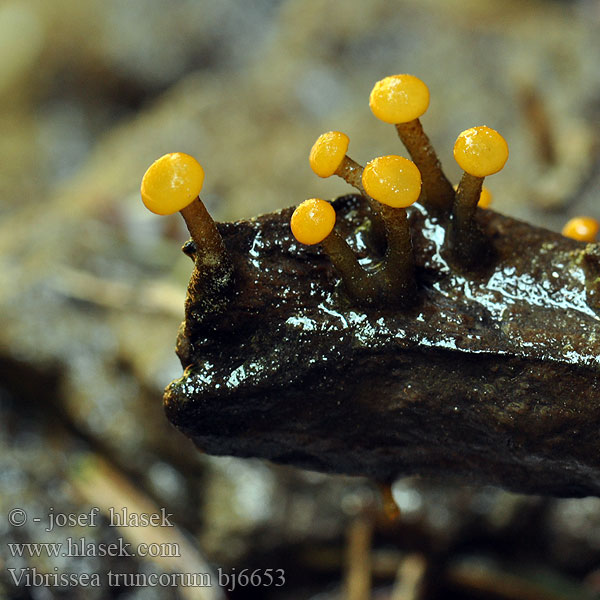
point(491, 376)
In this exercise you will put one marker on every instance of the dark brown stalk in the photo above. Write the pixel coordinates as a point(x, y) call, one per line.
point(437, 190)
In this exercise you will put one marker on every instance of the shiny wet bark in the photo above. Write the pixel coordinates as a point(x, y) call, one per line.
point(491, 377)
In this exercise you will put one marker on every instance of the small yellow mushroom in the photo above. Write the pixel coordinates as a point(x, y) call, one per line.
point(392, 180)
point(480, 151)
point(328, 152)
point(173, 184)
point(312, 223)
point(582, 229)
point(401, 100)
point(328, 157)
point(395, 182)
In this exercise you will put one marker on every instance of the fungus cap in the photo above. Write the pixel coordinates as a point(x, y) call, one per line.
point(399, 99)
point(481, 151)
point(392, 180)
point(312, 221)
point(328, 152)
point(171, 183)
point(583, 229)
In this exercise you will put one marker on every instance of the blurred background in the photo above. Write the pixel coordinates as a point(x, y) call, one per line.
point(92, 285)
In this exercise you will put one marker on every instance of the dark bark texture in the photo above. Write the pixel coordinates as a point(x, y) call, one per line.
point(491, 376)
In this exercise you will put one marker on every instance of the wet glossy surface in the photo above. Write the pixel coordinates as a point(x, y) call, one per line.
point(507, 354)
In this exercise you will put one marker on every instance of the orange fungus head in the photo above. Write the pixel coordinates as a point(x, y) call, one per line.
point(399, 99)
point(171, 183)
point(312, 221)
point(392, 180)
point(328, 153)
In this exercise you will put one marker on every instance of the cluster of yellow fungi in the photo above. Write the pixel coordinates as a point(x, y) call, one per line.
point(388, 184)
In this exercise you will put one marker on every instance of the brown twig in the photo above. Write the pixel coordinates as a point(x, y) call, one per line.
point(358, 559)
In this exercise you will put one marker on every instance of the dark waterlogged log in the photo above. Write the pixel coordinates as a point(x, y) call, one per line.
point(492, 376)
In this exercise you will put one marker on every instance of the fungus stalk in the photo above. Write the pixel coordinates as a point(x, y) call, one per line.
point(485, 198)
point(399, 260)
point(351, 172)
point(469, 188)
point(203, 231)
point(390, 507)
point(591, 266)
point(395, 183)
point(437, 189)
point(400, 100)
point(356, 280)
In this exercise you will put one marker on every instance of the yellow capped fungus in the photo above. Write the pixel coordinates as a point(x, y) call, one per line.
point(399, 99)
point(392, 180)
point(312, 221)
point(328, 157)
point(328, 152)
point(481, 151)
point(171, 183)
point(395, 182)
point(583, 229)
